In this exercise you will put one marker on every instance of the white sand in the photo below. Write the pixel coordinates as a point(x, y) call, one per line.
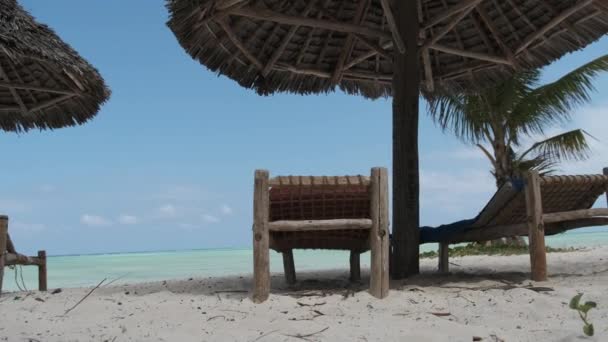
point(484, 298)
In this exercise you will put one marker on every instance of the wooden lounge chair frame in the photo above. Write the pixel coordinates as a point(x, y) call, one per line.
point(577, 193)
point(10, 257)
point(320, 212)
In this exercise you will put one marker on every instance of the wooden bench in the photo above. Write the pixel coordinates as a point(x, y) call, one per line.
point(321, 212)
point(10, 257)
point(535, 206)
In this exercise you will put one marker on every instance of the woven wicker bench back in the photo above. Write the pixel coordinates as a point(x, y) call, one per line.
point(558, 193)
point(319, 198)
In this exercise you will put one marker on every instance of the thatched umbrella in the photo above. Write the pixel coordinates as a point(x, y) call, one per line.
point(44, 83)
point(381, 48)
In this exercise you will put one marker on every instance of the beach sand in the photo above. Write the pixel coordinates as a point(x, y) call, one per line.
point(485, 297)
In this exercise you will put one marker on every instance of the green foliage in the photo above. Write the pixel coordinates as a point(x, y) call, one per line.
point(503, 115)
point(478, 249)
point(583, 310)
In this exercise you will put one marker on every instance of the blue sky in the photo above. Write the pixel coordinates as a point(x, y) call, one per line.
point(168, 162)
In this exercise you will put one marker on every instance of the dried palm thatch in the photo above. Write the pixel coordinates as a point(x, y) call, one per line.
point(312, 46)
point(44, 83)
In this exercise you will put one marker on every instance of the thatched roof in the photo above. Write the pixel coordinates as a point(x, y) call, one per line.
point(44, 83)
point(310, 46)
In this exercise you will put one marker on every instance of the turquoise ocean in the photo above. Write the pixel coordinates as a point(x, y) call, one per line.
point(88, 270)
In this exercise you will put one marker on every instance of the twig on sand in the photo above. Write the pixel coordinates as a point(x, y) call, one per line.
point(458, 295)
point(303, 337)
point(440, 314)
point(85, 297)
point(313, 304)
point(266, 334)
point(237, 311)
point(214, 317)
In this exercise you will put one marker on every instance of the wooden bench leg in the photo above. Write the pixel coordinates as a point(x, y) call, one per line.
point(3, 240)
point(379, 244)
point(289, 267)
point(444, 257)
point(606, 174)
point(536, 228)
point(42, 271)
point(355, 266)
point(261, 238)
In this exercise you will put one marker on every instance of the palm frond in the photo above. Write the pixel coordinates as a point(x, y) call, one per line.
point(553, 103)
point(570, 145)
point(462, 114)
point(544, 166)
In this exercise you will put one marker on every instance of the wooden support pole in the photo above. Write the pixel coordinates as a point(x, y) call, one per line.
point(42, 271)
point(448, 12)
point(289, 267)
point(34, 87)
point(606, 174)
point(551, 24)
point(450, 26)
point(261, 262)
point(239, 45)
point(471, 54)
point(406, 86)
point(330, 25)
point(390, 20)
point(536, 228)
point(378, 237)
point(355, 266)
point(444, 257)
point(3, 240)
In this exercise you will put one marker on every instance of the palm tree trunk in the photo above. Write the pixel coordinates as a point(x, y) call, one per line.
point(502, 173)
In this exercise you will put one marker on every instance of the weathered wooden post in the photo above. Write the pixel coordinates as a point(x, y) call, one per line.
point(3, 242)
point(536, 227)
point(289, 267)
point(379, 245)
point(261, 267)
point(42, 286)
point(355, 266)
point(606, 174)
point(444, 257)
point(405, 86)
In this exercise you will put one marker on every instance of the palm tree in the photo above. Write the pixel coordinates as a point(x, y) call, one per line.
point(504, 115)
point(518, 108)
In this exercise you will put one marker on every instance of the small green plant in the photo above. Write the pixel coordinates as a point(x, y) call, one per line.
point(477, 249)
point(583, 309)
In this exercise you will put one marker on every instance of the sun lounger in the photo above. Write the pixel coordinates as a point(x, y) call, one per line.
point(10, 257)
point(306, 212)
point(535, 206)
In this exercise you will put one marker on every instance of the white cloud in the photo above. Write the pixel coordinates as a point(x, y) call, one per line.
point(167, 210)
point(210, 218)
point(448, 183)
point(226, 210)
point(187, 226)
point(47, 188)
point(128, 219)
point(94, 220)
